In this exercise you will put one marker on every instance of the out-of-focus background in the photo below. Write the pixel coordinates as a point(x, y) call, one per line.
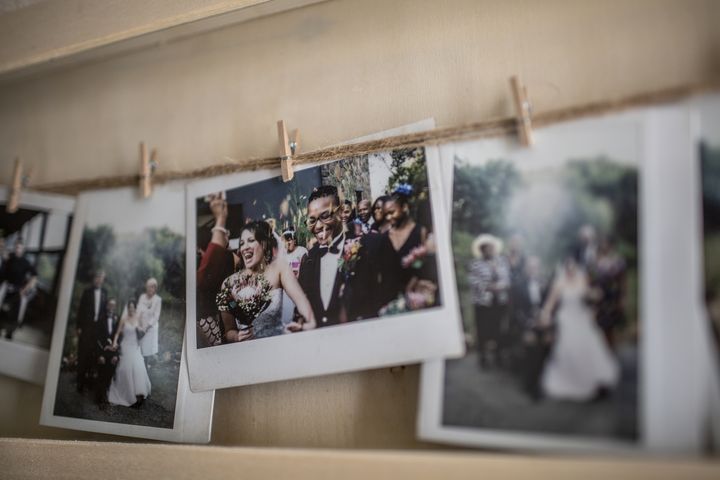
point(82, 82)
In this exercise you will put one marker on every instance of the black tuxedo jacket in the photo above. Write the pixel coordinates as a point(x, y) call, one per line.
point(372, 283)
point(103, 335)
point(86, 314)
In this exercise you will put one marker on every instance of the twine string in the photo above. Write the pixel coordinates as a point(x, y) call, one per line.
point(471, 131)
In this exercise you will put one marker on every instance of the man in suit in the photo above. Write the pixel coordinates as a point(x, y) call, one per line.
point(345, 279)
point(93, 303)
point(528, 302)
point(107, 356)
point(18, 284)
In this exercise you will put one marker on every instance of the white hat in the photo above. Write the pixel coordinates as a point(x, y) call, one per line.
point(481, 240)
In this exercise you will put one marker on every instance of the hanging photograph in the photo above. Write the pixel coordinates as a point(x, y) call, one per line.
point(117, 364)
point(340, 269)
point(33, 241)
point(547, 263)
point(710, 194)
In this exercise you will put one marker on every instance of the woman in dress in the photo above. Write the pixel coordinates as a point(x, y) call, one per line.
point(379, 224)
point(258, 286)
point(581, 365)
point(405, 234)
point(131, 384)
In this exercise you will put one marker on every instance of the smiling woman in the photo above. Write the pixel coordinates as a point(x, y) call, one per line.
point(250, 301)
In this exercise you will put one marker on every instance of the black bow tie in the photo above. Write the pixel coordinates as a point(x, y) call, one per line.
point(333, 248)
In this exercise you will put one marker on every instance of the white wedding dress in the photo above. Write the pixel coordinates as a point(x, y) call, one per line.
point(131, 378)
point(581, 362)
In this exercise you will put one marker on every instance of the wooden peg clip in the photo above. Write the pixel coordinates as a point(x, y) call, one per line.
point(147, 168)
point(288, 147)
point(523, 109)
point(19, 181)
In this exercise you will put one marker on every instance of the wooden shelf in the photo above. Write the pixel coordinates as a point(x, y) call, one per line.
point(31, 43)
point(78, 460)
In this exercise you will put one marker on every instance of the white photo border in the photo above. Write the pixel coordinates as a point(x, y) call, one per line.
point(432, 333)
point(20, 360)
point(192, 421)
point(683, 386)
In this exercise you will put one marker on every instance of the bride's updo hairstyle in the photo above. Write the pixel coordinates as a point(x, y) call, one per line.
point(264, 236)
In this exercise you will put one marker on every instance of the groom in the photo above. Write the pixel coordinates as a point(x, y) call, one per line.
point(345, 279)
point(92, 308)
point(107, 355)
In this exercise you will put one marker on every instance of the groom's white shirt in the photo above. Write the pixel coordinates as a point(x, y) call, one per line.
point(328, 272)
point(149, 309)
point(97, 295)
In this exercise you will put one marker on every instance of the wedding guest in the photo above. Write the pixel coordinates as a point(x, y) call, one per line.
point(378, 223)
point(404, 233)
point(363, 218)
point(528, 300)
point(149, 306)
point(131, 384)
point(608, 275)
point(250, 300)
point(489, 278)
point(294, 252)
point(293, 255)
point(92, 307)
point(107, 354)
point(345, 279)
point(19, 281)
point(347, 212)
point(511, 339)
point(586, 247)
point(216, 264)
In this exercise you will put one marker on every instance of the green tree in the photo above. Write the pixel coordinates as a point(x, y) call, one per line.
point(481, 195)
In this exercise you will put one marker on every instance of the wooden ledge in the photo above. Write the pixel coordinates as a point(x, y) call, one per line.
point(22, 458)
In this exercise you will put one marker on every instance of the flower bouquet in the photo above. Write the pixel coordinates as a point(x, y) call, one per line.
point(245, 295)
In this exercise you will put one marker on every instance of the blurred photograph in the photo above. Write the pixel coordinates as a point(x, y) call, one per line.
point(33, 241)
point(710, 204)
point(343, 244)
point(546, 253)
point(119, 355)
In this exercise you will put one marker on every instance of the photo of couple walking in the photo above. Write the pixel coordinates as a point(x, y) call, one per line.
point(347, 241)
point(546, 259)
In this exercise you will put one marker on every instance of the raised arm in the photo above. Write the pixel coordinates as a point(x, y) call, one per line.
point(292, 287)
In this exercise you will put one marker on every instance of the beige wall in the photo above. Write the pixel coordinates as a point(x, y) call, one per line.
point(337, 70)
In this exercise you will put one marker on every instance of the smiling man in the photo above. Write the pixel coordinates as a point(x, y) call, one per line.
point(345, 279)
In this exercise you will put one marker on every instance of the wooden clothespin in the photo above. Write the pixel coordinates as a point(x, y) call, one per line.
point(147, 168)
point(288, 147)
point(523, 108)
point(19, 181)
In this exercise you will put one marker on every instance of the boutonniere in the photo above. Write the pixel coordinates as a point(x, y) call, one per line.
point(350, 256)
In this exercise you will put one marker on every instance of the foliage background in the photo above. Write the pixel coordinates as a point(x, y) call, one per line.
point(129, 260)
point(547, 207)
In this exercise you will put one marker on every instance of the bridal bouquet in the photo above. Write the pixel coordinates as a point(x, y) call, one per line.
point(245, 295)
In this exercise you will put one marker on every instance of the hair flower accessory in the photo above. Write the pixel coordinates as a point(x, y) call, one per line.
point(403, 189)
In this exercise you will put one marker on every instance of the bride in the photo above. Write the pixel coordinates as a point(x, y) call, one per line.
point(258, 287)
point(131, 384)
point(581, 364)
